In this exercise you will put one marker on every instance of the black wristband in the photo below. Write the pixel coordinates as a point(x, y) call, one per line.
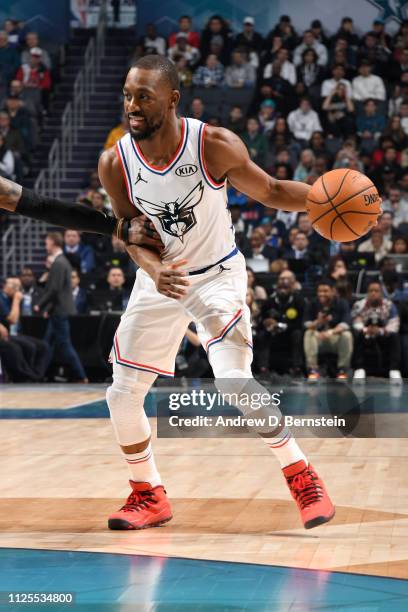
point(64, 214)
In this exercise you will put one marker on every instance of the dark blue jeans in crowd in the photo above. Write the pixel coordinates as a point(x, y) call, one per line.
point(58, 335)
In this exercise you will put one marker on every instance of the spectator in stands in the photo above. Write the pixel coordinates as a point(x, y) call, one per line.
point(240, 73)
point(318, 146)
point(185, 27)
point(400, 246)
point(392, 286)
point(284, 30)
point(373, 51)
point(304, 121)
point(13, 32)
point(185, 75)
point(152, 42)
point(13, 139)
point(305, 166)
point(376, 326)
point(397, 205)
point(13, 362)
point(32, 41)
point(258, 249)
point(310, 42)
point(34, 75)
point(386, 225)
point(267, 116)
point(249, 38)
point(210, 75)
point(198, 110)
point(370, 125)
point(30, 290)
point(339, 109)
point(117, 132)
point(403, 113)
point(80, 256)
point(255, 141)
point(346, 32)
point(338, 76)
point(20, 118)
point(309, 75)
point(300, 249)
point(31, 100)
point(57, 305)
point(236, 120)
point(183, 49)
point(216, 32)
point(78, 294)
point(9, 59)
point(115, 297)
point(327, 323)
point(367, 85)
point(280, 329)
point(287, 70)
point(259, 291)
point(394, 131)
point(337, 272)
point(6, 160)
point(317, 29)
point(98, 202)
point(36, 352)
point(116, 257)
point(376, 244)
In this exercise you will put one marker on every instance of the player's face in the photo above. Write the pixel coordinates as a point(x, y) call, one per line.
point(148, 100)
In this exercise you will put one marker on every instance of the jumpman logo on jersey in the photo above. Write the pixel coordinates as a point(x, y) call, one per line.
point(139, 177)
point(176, 218)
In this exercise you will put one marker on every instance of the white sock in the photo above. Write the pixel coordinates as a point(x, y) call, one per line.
point(142, 467)
point(285, 448)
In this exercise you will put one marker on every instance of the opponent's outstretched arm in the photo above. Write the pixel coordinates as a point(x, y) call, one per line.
point(18, 199)
point(226, 155)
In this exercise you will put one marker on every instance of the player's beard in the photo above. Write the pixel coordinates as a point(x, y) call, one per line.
point(151, 127)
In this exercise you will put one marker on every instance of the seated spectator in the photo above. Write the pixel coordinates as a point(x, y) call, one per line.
point(80, 256)
point(183, 49)
point(11, 26)
point(327, 323)
point(397, 205)
point(376, 327)
point(240, 73)
point(78, 294)
point(255, 141)
point(267, 116)
point(310, 42)
point(30, 98)
point(338, 76)
point(6, 160)
point(36, 352)
point(287, 70)
point(152, 42)
point(337, 272)
point(13, 138)
point(34, 75)
point(259, 291)
point(280, 331)
point(210, 75)
point(346, 31)
point(370, 124)
point(403, 113)
point(395, 132)
point(300, 249)
point(249, 39)
point(98, 202)
point(20, 118)
point(376, 244)
point(304, 121)
point(317, 29)
point(339, 109)
point(305, 166)
point(117, 132)
point(309, 74)
point(216, 32)
point(399, 246)
point(9, 59)
point(386, 225)
point(367, 85)
point(115, 256)
point(258, 249)
point(30, 290)
point(284, 30)
point(185, 75)
point(239, 226)
point(198, 110)
point(114, 297)
point(185, 27)
point(371, 50)
point(236, 121)
point(32, 41)
point(392, 287)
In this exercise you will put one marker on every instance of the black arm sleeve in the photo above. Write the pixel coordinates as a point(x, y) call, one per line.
point(65, 214)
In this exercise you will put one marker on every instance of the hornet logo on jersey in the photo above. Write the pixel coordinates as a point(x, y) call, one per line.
point(176, 218)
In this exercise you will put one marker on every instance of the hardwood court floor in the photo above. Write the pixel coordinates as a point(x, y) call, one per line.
point(60, 479)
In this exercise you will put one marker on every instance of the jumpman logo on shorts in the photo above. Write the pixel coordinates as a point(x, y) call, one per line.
point(139, 177)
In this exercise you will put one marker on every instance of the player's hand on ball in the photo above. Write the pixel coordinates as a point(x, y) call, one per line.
point(171, 280)
point(142, 232)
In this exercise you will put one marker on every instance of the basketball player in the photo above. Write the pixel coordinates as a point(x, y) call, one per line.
point(174, 171)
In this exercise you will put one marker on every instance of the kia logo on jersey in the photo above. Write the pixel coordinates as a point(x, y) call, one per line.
point(186, 170)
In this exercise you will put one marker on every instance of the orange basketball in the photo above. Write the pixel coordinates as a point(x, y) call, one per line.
point(343, 205)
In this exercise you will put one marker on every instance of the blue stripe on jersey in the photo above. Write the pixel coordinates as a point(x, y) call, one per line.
point(163, 172)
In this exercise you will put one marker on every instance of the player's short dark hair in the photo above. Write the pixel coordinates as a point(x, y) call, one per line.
point(57, 239)
point(163, 65)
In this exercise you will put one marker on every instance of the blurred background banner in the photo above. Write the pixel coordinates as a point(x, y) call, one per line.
point(84, 13)
point(165, 14)
point(49, 18)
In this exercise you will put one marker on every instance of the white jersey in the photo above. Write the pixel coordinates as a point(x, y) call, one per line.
point(187, 207)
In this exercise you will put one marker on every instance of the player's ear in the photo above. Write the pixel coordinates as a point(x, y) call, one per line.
point(174, 98)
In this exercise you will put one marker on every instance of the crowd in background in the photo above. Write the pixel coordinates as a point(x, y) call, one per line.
point(314, 102)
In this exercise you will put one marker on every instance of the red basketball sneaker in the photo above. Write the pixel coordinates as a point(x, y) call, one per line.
point(145, 507)
point(309, 493)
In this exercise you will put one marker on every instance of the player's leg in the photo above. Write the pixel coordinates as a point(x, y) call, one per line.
point(225, 332)
point(145, 346)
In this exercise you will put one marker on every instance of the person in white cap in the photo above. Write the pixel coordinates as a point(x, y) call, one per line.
point(249, 38)
point(32, 41)
point(34, 75)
